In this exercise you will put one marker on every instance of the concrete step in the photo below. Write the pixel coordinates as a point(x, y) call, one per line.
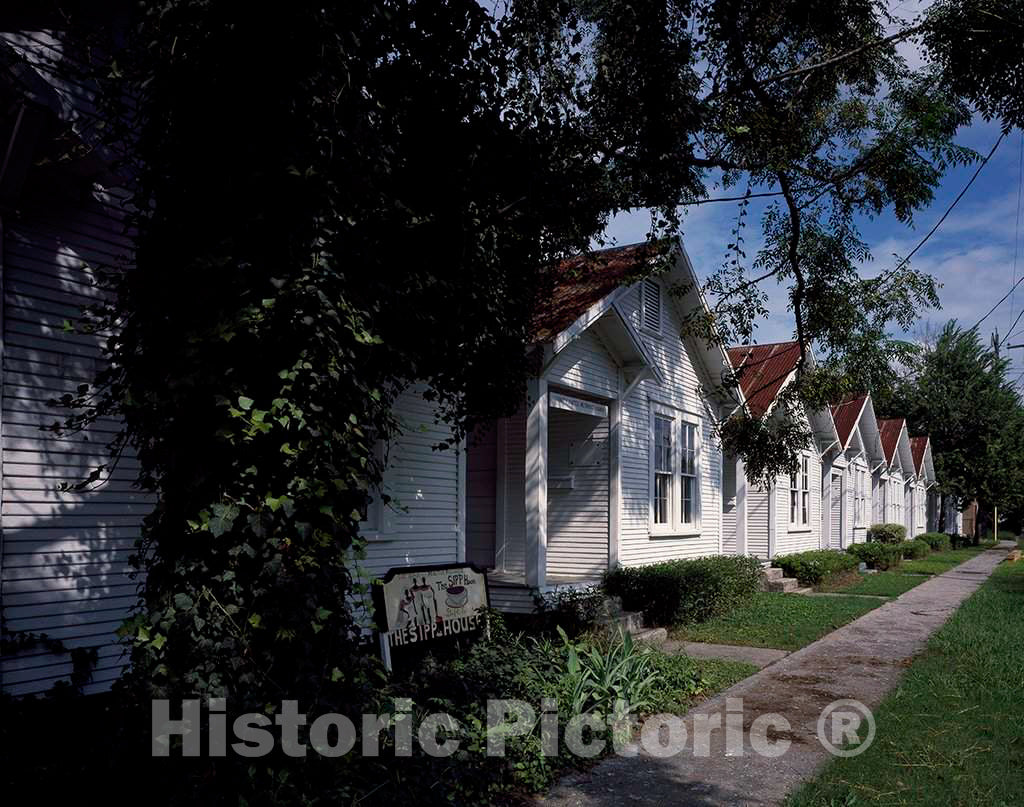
point(772, 573)
point(784, 585)
point(651, 635)
point(628, 621)
point(804, 590)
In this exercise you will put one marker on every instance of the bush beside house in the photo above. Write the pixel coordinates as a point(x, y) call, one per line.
point(887, 533)
point(816, 566)
point(877, 555)
point(915, 549)
point(937, 541)
point(683, 591)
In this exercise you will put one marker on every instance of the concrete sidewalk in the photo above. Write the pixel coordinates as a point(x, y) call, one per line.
point(863, 660)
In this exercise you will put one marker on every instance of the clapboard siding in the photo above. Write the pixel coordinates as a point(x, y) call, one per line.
point(757, 521)
point(511, 555)
point(420, 525)
point(481, 490)
point(584, 364)
point(681, 390)
point(65, 554)
point(577, 518)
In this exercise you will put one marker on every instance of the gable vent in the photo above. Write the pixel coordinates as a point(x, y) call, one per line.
point(650, 297)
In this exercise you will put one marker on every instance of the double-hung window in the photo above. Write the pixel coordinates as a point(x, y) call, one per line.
point(675, 472)
point(800, 495)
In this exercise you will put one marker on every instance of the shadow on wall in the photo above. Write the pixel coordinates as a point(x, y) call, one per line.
point(65, 555)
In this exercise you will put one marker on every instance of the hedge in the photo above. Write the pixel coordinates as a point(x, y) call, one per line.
point(816, 566)
point(915, 549)
point(887, 533)
point(938, 541)
point(680, 591)
point(877, 555)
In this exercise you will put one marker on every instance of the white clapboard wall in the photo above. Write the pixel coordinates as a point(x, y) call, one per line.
point(65, 555)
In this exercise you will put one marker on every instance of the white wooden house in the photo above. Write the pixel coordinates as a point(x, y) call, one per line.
point(63, 556)
point(891, 482)
point(613, 457)
point(847, 479)
point(924, 479)
point(786, 516)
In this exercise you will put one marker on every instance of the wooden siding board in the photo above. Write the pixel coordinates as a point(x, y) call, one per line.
point(65, 555)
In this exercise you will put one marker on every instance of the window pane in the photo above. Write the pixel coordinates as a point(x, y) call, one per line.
point(689, 501)
point(662, 444)
point(689, 454)
point(662, 494)
point(792, 506)
point(804, 477)
point(806, 500)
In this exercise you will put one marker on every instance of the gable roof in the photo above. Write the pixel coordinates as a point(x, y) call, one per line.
point(572, 286)
point(762, 371)
point(918, 446)
point(846, 414)
point(890, 429)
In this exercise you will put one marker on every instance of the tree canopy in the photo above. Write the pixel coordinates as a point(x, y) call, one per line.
point(335, 200)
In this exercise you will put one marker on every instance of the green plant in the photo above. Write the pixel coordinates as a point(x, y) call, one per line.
point(683, 591)
point(938, 541)
point(574, 610)
point(961, 541)
point(816, 566)
point(887, 533)
point(915, 549)
point(877, 555)
point(606, 675)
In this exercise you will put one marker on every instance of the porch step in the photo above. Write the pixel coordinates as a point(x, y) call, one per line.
point(783, 585)
point(772, 573)
point(804, 590)
point(627, 621)
point(651, 635)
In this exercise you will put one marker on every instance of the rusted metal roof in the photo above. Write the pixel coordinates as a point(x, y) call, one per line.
point(572, 286)
point(890, 429)
point(762, 370)
point(846, 414)
point(918, 445)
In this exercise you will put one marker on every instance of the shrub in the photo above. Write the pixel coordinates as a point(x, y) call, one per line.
point(575, 611)
point(938, 541)
point(915, 549)
point(877, 555)
point(815, 567)
point(681, 591)
point(960, 541)
point(887, 533)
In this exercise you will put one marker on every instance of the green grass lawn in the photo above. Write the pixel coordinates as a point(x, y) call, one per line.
point(939, 562)
point(884, 584)
point(675, 693)
point(953, 732)
point(782, 621)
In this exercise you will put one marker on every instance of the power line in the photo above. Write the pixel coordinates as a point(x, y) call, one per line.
point(949, 210)
point(1016, 232)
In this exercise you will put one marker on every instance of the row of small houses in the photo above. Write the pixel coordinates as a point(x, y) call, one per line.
point(611, 459)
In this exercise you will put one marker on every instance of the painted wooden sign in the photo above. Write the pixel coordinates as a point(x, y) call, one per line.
point(418, 604)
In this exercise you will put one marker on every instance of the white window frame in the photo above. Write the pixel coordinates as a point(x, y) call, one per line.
point(800, 496)
point(674, 525)
point(652, 283)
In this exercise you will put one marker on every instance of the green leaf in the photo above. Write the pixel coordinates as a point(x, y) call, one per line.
point(245, 403)
point(159, 641)
point(255, 620)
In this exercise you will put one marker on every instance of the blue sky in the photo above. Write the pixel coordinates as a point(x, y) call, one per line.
point(971, 255)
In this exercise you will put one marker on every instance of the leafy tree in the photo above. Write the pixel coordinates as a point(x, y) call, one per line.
point(958, 393)
point(336, 200)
